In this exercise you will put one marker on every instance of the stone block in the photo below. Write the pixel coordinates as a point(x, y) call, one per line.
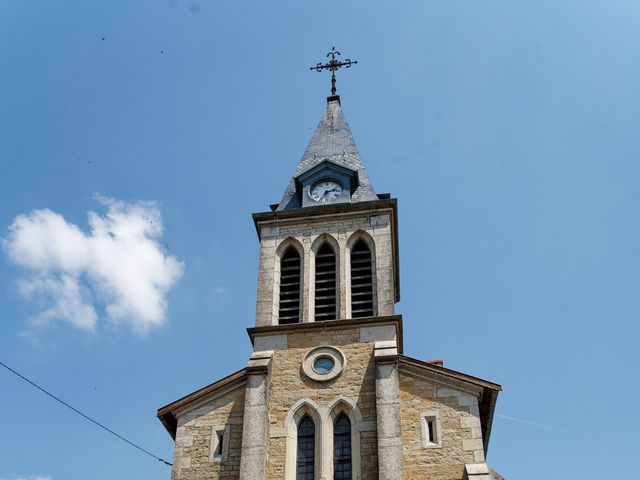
point(472, 444)
point(378, 334)
point(469, 422)
point(270, 342)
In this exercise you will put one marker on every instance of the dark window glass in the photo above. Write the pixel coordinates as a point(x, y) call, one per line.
point(361, 281)
point(220, 443)
point(432, 437)
point(342, 448)
point(325, 306)
point(289, 311)
point(306, 449)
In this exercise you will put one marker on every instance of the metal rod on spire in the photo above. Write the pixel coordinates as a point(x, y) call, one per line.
point(333, 65)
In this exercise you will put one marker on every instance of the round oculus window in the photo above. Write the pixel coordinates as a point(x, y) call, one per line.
point(323, 363)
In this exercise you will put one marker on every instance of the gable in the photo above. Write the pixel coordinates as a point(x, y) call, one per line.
point(474, 394)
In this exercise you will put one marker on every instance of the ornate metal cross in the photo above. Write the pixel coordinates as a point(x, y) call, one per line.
point(333, 65)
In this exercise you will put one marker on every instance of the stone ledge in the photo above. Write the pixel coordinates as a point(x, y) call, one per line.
point(346, 324)
point(476, 471)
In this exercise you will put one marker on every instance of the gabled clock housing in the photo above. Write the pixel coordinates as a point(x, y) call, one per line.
point(327, 170)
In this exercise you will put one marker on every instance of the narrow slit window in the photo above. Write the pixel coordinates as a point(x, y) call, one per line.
point(342, 448)
point(430, 431)
point(325, 285)
point(220, 443)
point(289, 310)
point(361, 280)
point(306, 454)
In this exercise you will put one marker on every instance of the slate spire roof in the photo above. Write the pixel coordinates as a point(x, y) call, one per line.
point(331, 141)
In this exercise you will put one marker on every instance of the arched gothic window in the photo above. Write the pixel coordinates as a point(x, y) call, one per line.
point(325, 301)
point(305, 458)
point(342, 448)
point(289, 311)
point(361, 280)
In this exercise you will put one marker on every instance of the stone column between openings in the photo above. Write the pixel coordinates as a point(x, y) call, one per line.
point(388, 421)
point(254, 428)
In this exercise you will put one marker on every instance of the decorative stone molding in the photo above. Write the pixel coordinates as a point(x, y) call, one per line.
point(323, 418)
point(323, 363)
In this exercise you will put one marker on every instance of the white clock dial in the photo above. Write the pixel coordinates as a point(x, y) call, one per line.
point(325, 191)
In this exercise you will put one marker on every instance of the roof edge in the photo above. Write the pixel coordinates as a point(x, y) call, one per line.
point(447, 372)
point(488, 397)
point(165, 414)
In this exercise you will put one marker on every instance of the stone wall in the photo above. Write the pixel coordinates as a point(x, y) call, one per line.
point(289, 386)
point(460, 436)
point(193, 457)
point(304, 233)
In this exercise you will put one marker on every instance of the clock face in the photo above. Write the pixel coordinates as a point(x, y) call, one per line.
point(325, 191)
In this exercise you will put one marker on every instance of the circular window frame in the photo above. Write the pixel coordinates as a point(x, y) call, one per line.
point(339, 362)
point(314, 364)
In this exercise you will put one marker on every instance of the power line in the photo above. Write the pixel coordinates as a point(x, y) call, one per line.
point(83, 415)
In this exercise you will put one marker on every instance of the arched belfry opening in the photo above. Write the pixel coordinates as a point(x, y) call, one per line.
point(361, 280)
point(290, 269)
point(325, 284)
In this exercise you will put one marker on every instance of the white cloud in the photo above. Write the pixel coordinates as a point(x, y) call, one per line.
point(118, 263)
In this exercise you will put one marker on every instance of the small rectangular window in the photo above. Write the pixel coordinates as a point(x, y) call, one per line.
point(219, 443)
point(430, 430)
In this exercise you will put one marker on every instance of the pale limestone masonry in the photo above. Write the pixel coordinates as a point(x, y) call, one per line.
point(385, 394)
point(409, 419)
point(288, 386)
point(254, 428)
point(390, 461)
point(193, 438)
point(461, 439)
point(342, 230)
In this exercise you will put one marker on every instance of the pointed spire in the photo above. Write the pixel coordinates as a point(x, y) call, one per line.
point(331, 141)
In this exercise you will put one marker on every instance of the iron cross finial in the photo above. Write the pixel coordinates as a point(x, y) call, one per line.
point(333, 65)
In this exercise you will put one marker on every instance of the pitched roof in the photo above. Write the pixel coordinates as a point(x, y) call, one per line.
point(331, 141)
point(166, 413)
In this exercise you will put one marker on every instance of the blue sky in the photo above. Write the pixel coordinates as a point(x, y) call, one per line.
point(507, 130)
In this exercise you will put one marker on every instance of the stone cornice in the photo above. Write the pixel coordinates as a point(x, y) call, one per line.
point(395, 320)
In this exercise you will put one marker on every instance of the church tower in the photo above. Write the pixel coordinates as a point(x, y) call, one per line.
point(328, 392)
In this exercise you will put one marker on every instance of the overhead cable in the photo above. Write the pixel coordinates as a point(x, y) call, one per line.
point(83, 415)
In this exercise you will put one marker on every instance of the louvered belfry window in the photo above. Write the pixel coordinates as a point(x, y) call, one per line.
point(289, 311)
point(342, 448)
point(361, 280)
point(306, 449)
point(325, 305)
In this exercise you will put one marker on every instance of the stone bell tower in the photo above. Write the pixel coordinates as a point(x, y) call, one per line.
point(328, 392)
